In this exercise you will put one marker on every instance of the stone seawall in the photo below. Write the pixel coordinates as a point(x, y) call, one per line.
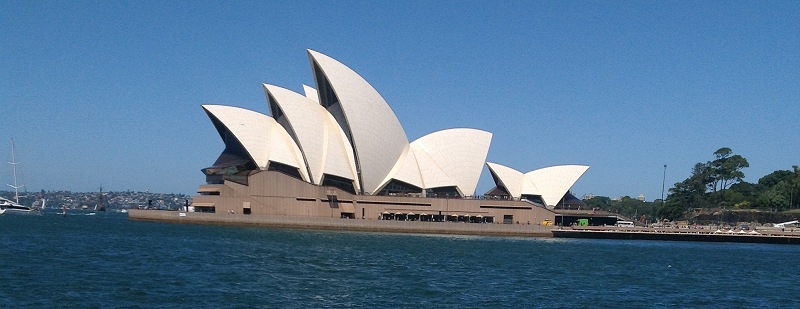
point(321, 223)
point(674, 235)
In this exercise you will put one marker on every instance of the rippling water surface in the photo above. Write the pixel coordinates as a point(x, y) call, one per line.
point(107, 261)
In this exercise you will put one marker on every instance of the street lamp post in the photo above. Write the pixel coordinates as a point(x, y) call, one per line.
point(663, 181)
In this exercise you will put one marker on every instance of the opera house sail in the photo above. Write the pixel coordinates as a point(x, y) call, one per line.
point(338, 150)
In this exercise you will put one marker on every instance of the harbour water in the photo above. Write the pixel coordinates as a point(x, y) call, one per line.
point(106, 260)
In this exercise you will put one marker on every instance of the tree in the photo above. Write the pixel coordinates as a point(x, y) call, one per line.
point(748, 190)
point(671, 211)
point(707, 185)
point(691, 192)
point(625, 206)
point(726, 169)
point(772, 179)
point(795, 186)
point(742, 205)
point(773, 199)
point(731, 197)
point(599, 202)
point(779, 190)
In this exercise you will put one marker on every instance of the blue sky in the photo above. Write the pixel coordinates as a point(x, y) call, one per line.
point(109, 93)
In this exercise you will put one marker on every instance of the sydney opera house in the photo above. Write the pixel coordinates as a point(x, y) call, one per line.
point(339, 151)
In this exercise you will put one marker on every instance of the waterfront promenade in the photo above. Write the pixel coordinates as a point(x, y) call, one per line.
point(322, 223)
point(705, 234)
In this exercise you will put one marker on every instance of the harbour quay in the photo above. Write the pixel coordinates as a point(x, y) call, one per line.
point(766, 236)
point(343, 224)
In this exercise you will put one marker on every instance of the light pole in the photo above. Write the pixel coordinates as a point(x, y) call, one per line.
point(663, 181)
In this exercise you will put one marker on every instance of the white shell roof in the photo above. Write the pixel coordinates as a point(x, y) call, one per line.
point(551, 183)
point(320, 138)
point(554, 181)
point(263, 138)
point(433, 176)
point(362, 134)
point(311, 93)
point(378, 137)
point(460, 152)
point(509, 178)
point(406, 170)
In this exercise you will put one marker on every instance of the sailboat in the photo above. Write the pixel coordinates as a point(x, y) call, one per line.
point(14, 207)
point(101, 206)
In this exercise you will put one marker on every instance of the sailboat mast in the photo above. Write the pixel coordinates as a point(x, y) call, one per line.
point(14, 168)
point(101, 206)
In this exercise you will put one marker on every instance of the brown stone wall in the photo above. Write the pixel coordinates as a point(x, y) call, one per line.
point(322, 223)
point(273, 193)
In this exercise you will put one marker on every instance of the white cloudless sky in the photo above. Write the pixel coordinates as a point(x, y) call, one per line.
point(109, 93)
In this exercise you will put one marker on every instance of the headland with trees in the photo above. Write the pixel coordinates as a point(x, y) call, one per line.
point(716, 193)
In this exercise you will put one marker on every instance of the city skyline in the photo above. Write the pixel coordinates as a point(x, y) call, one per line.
point(110, 93)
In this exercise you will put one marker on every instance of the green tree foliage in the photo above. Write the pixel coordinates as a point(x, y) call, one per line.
point(690, 193)
point(775, 177)
point(726, 169)
point(598, 202)
point(719, 184)
point(742, 205)
point(795, 186)
point(672, 210)
point(745, 189)
point(773, 198)
point(626, 206)
point(780, 190)
point(707, 185)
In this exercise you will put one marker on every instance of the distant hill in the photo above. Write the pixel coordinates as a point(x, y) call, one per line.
point(112, 200)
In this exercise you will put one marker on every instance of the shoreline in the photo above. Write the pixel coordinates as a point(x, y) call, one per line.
point(471, 229)
point(337, 224)
point(673, 234)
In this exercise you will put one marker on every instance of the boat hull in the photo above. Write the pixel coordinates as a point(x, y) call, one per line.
point(21, 211)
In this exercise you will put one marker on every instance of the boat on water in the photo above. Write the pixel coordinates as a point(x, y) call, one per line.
point(14, 207)
point(101, 205)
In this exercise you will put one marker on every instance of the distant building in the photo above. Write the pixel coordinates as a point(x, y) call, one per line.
point(338, 150)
